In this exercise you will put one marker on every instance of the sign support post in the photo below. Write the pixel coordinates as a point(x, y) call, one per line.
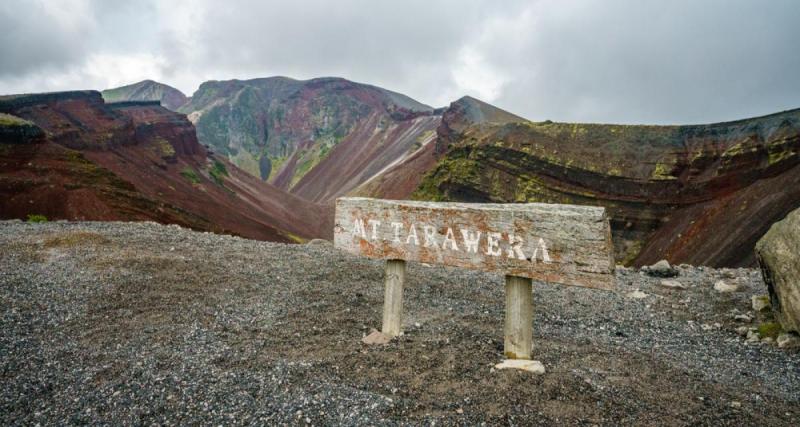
point(393, 298)
point(519, 318)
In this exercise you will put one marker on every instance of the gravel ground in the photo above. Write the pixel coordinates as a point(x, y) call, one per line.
point(140, 323)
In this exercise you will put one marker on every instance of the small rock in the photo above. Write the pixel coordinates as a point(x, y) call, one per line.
point(760, 302)
point(736, 404)
point(672, 284)
point(768, 340)
point(637, 294)
point(661, 269)
point(533, 366)
point(722, 286)
point(743, 318)
point(752, 336)
point(788, 341)
point(459, 411)
point(376, 337)
point(742, 330)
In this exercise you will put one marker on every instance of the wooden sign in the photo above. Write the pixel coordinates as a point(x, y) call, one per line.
point(563, 244)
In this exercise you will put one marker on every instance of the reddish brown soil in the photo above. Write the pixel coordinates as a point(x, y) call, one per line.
point(400, 180)
point(48, 179)
point(361, 155)
point(138, 161)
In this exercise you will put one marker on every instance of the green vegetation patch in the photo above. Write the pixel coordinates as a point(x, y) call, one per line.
point(36, 218)
point(294, 238)
point(779, 156)
point(734, 150)
point(218, 172)
point(769, 330)
point(662, 171)
point(164, 148)
point(190, 175)
point(457, 169)
point(312, 157)
point(10, 120)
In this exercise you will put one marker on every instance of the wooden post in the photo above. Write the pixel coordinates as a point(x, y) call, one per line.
point(393, 297)
point(519, 318)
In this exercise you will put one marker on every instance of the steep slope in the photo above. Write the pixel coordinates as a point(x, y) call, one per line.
point(701, 194)
point(137, 160)
point(317, 138)
point(147, 90)
point(399, 180)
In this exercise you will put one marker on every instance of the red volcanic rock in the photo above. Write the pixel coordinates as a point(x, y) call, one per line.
point(317, 138)
point(399, 180)
point(138, 160)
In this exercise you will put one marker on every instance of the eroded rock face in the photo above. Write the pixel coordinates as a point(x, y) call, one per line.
point(317, 138)
point(15, 130)
point(698, 194)
point(134, 160)
point(778, 254)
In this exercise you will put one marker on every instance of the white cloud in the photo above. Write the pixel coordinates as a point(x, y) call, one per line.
point(99, 71)
point(115, 70)
point(473, 75)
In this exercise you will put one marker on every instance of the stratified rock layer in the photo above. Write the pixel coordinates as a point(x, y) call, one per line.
point(700, 194)
point(83, 159)
point(778, 255)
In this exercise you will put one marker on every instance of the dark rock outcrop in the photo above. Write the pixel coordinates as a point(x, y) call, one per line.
point(14, 130)
point(778, 254)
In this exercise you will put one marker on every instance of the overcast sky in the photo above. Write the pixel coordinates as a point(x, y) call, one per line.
point(632, 61)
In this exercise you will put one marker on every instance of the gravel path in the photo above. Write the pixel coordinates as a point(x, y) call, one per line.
point(140, 323)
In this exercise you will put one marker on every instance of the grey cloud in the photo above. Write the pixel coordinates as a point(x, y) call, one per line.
point(625, 61)
point(33, 39)
point(658, 62)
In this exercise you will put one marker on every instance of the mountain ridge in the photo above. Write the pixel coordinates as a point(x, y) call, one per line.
point(281, 129)
point(147, 90)
point(137, 161)
point(328, 137)
point(656, 181)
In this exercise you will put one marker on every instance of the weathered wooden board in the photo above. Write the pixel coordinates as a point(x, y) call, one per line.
point(564, 244)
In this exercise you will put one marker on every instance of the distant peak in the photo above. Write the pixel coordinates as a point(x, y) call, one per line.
point(469, 110)
point(147, 90)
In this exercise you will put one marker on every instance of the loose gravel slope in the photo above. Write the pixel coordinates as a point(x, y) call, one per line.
point(140, 323)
